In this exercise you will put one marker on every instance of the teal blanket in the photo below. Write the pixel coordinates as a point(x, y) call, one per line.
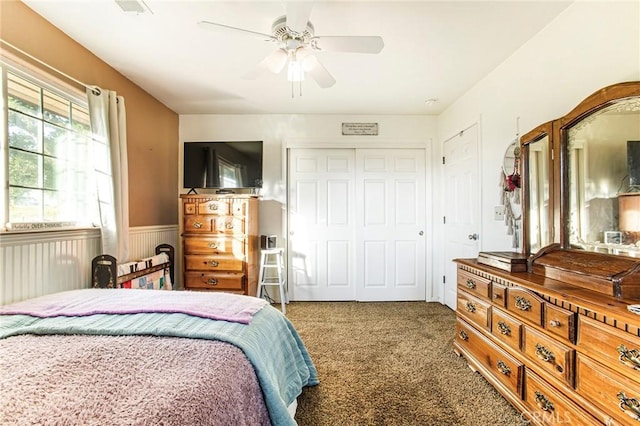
point(270, 342)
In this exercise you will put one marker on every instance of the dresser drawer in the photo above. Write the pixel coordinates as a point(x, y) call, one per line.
point(228, 225)
point(212, 263)
point(476, 310)
point(506, 328)
point(615, 394)
point(613, 347)
point(197, 223)
point(503, 366)
point(215, 207)
point(214, 281)
point(550, 407)
point(524, 304)
point(220, 245)
point(474, 284)
point(549, 354)
point(560, 322)
point(239, 208)
point(499, 294)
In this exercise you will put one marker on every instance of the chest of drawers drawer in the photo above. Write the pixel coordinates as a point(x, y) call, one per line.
point(615, 348)
point(474, 309)
point(549, 354)
point(216, 207)
point(213, 263)
point(524, 304)
point(221, 245)
point(560, 322)
point(503, 366)
point(615, 394)
point(506, 328)
point(198, 224)
point(230, 225)
point(550, 407)
point(226, 281)
point(499, 294)
point(474, 284)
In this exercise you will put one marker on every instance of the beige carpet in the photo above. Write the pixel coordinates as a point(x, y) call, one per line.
point(391, 363)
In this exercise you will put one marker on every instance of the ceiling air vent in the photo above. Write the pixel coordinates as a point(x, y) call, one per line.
point(133, 6)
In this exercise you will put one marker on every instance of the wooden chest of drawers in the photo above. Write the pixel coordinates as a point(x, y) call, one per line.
point(220, 243)
point(559, 356)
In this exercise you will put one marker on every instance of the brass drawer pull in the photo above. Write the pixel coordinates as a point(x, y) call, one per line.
point(544, 354)
point(212, 263)
point(228, 225)
point(471, 284)
point(631, 404)
point(497, 296)
point(213, 206)
point(197, 225)
point(543, 402)
point(463, 335)
point(503, 368)
point(503, 328)
point(554, 323)
point(470, 307)
point(629, 357)
point(523, 304)
point(213, 245)
point(212, 281)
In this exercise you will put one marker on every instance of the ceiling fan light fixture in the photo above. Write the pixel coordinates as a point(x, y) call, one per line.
point(295, 70)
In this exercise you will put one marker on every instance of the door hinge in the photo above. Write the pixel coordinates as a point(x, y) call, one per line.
point(444, 220)
point(443, 160)
point(444, 279)
point(552, 154)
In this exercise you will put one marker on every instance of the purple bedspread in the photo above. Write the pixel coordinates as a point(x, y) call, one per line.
point(77, 303)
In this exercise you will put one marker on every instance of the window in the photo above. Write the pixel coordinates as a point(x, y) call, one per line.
point(49, 155)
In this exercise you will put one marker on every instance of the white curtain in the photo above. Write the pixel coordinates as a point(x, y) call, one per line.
point(109, 128)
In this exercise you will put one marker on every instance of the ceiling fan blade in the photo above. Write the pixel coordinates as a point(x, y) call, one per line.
point(221, 27)
point(318, 72)
point(355, 44)
point(275, 62)
point(298, 13)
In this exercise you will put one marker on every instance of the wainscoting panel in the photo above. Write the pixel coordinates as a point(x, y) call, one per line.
point(41, 263)
point(34, 264)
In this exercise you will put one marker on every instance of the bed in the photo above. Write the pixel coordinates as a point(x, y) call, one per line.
point(140, 357)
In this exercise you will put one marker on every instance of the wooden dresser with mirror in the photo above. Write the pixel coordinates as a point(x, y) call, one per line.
point(559, 338)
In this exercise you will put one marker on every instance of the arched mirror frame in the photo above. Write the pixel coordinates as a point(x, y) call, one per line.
point(601, 99)
point(553, 215)
point(557, 131)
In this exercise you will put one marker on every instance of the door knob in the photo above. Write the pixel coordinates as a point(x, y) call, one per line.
point(421, 233)
point(473, 236)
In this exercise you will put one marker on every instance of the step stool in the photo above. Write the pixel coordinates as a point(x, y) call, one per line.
point(273, 259)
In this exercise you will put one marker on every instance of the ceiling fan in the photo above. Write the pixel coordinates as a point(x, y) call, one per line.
point(296, 40)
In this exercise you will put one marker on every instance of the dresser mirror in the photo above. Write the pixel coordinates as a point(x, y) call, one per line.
point(537, 188)
point(581, 176)
point(600, 150)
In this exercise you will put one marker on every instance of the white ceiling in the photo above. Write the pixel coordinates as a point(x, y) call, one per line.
point(432, 50)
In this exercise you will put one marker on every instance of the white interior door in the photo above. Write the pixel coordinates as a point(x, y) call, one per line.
point(321, 224)
point(390, 241)
point(461, 205)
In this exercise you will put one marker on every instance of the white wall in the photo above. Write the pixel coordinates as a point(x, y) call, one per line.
point(588, 46)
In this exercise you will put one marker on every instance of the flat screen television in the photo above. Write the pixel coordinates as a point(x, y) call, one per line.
point(222, 165)
point(633, 163)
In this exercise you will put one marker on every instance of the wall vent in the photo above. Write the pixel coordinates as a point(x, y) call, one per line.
point(133, 6)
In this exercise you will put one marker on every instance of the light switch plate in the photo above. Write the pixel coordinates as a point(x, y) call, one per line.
point(498, 213)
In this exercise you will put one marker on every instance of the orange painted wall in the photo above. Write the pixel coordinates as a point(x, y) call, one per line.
point(152, 128)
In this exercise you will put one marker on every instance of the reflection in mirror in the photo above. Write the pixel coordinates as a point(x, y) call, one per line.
point(603, 177)
point(538, 191)
point(511, 192)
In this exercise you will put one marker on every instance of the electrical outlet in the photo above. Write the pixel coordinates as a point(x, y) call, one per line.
point(498, 213)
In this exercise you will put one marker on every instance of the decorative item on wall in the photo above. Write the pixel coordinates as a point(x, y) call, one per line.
point(510, 188)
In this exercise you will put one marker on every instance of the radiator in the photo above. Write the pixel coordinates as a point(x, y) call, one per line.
point(41, 263)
